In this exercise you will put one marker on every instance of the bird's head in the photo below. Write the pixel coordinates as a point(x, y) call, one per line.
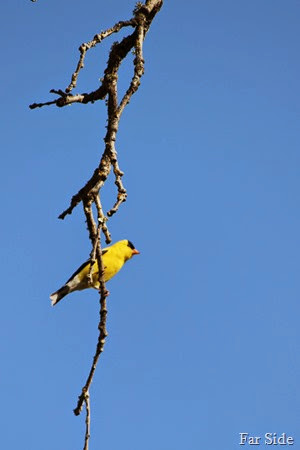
point(126, 249)
point(134, 251)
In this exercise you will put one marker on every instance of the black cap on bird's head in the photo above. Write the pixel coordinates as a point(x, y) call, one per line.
point(134, 250)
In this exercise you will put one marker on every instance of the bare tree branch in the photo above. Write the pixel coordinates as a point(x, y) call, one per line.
point(96, 40)
point(95, 238)
point(87, 421)
point(102, 220)
point(141, 21)
point(89, 194)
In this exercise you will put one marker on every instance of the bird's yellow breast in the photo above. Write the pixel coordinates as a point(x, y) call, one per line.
point(113, 258)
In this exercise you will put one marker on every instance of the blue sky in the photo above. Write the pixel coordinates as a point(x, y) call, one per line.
point(204, 324)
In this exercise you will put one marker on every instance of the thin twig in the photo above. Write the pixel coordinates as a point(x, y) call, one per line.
point(87, 421)
point(40, 105)
point(103, 308)
point(121, 198)
point(99, 349)
point(92, 187)
point(102, 219)
point(138, 70)
point(94, 238)
point(96, 40)
point(122, 193)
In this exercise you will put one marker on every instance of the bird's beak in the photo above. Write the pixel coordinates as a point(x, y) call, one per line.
point(135, 252)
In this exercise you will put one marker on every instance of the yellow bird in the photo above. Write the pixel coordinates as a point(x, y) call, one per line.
point(113, 257)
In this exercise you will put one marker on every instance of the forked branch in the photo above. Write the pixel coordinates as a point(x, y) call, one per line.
point(89, 194)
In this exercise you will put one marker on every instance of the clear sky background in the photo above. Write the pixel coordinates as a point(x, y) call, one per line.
point(204, 324)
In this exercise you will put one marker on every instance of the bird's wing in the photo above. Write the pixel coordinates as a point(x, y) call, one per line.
point(86, 263)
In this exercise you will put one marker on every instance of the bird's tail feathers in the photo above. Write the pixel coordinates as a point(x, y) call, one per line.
point(58, 295)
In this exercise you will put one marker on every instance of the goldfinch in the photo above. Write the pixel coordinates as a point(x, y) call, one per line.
point(113, 257)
